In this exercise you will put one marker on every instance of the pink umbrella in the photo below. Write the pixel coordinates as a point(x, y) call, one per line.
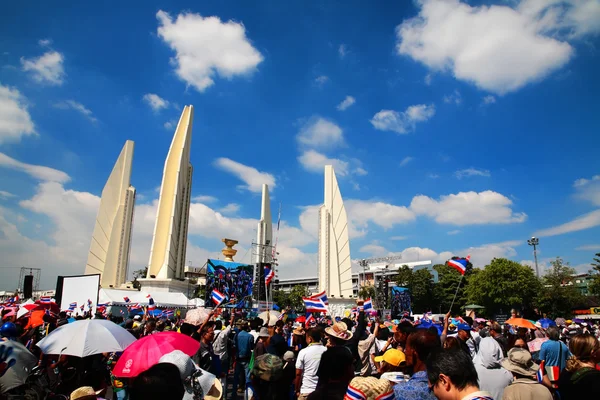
point(146, 352)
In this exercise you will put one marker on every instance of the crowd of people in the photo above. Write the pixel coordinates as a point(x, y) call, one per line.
point(358, 357)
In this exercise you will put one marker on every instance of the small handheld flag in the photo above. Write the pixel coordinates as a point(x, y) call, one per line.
point(269, 275)
point(313, 305)
point(168, 313)
point(368, 305)
point(354, 394)
point(46, 299)
point(321, 296)
point(127, 300)
point(541, 372)
point(217, 297)
point(459, 264)
point(73, 306)
point(151, 305)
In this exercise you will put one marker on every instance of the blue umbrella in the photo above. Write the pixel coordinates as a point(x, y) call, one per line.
point(546, 323)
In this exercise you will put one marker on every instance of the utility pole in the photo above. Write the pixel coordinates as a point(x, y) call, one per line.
point(535, 242)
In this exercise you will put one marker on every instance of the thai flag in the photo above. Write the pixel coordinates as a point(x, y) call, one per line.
point(217, 297)
point(135, 306)
point(310, 321)
point(81, 307)
point(354, 394)
point(102, 305)
point(368, 304)
point(280, 318)
point(386, 396)
point(313, 305)
point(127, 300)
point(101, 309)
point(46, 299)
point(151, 305)
point(169, 313)
point(89, 302)
point(460, 264)
point(122, 312)
point(541, 372)
point(290, 341)
point(321, 296)
point(269, 275)
point(72, 306)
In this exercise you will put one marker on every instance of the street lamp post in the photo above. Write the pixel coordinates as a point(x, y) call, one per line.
point(535, 242)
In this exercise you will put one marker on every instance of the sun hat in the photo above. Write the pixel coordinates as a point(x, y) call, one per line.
point(519, 361)
point(370, 387)
point(267, 367)
point(339, 330)
point(194, 378)
point(298, 331)
point(264, 332)
point(137, 318)
point(84, 393)
point(393, 357)
point(288, 356)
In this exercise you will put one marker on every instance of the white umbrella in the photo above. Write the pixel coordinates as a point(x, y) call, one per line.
point(17, 373)
point(196, 316)
point(86, 337)
point(273, 317)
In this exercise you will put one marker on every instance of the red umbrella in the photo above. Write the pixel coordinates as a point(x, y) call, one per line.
point(146, 352)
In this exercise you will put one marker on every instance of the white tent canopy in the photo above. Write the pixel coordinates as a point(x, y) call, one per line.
point(161, 299)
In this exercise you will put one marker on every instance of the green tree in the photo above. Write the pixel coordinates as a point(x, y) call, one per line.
point(558, 296)
point(595, 285)
point(404, 276)
point(292, 299)
point(421, 290)
point(280, 298)
point(596, 263)
point(501, 285)
point(448, 280)
point(367, 292)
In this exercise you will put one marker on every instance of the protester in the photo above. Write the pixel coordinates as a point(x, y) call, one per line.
point(220, 343)
point(492, 377)
point(419, 346)
point(162, 381)
point(261, 343)
point(581, 379)
point(525, 385)
point(554, 352)
point(307, 364)
point(244, 344)
point(266, 377)
point(277, 344)
point(197, 383)
point(452, 375)
point(496, 333)
point(366, 347)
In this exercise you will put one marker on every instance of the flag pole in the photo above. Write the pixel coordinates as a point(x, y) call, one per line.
point(455, 293)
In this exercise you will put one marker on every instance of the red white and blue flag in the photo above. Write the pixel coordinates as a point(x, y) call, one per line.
point(386, 396)
point(81, 307)
point(269, 275)
point(135, 306)
point(368, 305)
point(310, 321)
point(321, 296)
point(72, 306)
point(354, 394)
point(127, 300)
point(46, 299)
point(460, 264)
point(314, 305)
point(151, 305)
point(217, 297)
point(168, 313)
point(541, 372)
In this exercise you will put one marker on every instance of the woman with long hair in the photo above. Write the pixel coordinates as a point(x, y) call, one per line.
point(581, 379)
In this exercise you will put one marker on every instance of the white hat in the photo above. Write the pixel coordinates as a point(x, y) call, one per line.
point(137, 318)
point(194, 378)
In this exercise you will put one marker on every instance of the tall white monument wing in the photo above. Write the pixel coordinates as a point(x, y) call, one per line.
point(264, 234)
point(109, 249)
point(167, 254)
point(335, 275)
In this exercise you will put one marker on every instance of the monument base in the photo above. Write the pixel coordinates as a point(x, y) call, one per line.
point(340, 307)
point(166, 285)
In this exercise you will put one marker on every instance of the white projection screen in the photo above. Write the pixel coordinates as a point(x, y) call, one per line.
point(78, 289)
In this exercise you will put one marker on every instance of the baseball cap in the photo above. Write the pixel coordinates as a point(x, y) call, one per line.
point(393, 357)
point(463, 327)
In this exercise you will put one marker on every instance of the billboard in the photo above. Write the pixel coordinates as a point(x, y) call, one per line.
point(232, 279)
point(77, 289)
point(400, 302)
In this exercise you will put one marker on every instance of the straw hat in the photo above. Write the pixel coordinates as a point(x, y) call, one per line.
point(298, 331)
point(519, 361)
point(264, 332)
point(370, 387)
point(339, 330)
point(85, 393)
point(195, 379)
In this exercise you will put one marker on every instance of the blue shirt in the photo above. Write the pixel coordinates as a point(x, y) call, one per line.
point(416, 388)
point(551, 352)
point(245, 344)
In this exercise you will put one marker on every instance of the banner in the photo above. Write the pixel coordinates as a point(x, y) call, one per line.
point(401, 302)
point(233, 280)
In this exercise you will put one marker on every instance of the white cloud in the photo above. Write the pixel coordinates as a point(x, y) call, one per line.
point(155, 101)
point(80, 108)
point(402, 122)
point(230, 208)
point(454, 232)
point(489, 99)
point(428, 78)
point(204, 199)
point(360, 171)
point(374, 250)
point(15, 121)
point(589, 247)
point(320, 133)
point(406, 160)
point(455, 98)
point(45, 42)
point(385, 215)
point(4, 195)
point(468, 208)
point(588, 189)
point(321, 80)
point(465, 173)
point(580, 223)
point(169, 125)
point(433, 176)
point(206, 46)
point(47, 68)
point(252, 177)
point(498, 48)
point(347, 102)
point(343, 50)
point(35, 171)
point(313, 161)
point(577, 17)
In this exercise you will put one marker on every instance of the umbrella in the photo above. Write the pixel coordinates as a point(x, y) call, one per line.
point(147, 351)
point(536, 344)
point(546, 323)
point(24, 361)
point(521, 323)
point(273, 316)
point(86, 337)
point(196, 316)
point(560, 321)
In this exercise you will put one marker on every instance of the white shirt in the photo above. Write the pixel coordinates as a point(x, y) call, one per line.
point(220, 342)
point(308, 361)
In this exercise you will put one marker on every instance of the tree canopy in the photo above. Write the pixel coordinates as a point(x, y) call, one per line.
point(558, 296)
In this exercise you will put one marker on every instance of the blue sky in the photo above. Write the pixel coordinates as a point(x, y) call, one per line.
point(454, 127)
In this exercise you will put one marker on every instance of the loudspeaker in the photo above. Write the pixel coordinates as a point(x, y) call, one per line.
point(28, 286)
